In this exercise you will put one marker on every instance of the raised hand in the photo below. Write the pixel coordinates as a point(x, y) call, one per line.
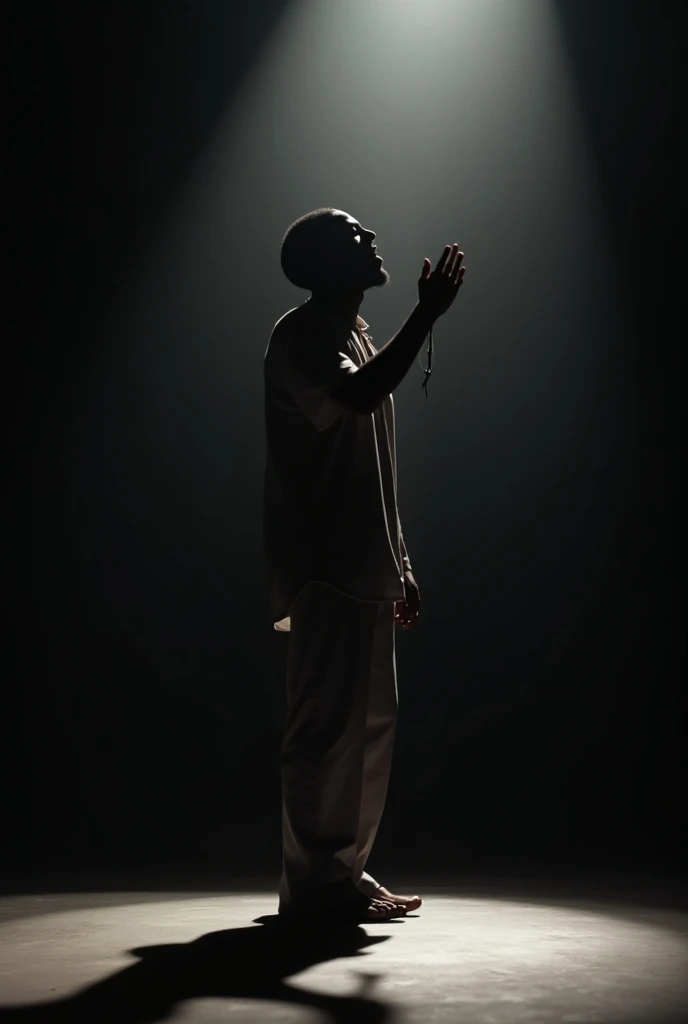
point(438, 288)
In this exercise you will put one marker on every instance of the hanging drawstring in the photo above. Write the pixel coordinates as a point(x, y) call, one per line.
point(427, 370)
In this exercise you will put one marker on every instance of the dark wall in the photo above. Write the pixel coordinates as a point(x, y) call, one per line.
point(546, 719)
point(123, 739)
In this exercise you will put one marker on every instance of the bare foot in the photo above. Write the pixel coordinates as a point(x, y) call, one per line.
point(409, 903)
point(383, 909)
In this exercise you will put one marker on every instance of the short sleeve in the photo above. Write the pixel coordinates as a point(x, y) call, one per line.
point(310, 365)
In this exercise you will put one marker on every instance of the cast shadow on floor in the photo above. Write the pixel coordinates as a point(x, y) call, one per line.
point(236, 963)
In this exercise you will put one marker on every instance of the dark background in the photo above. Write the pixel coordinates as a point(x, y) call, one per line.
point(542, 696)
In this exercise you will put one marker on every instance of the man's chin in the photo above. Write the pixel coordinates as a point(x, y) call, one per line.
point(378, 278)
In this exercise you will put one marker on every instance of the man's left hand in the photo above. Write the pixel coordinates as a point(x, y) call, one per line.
point(406, 611)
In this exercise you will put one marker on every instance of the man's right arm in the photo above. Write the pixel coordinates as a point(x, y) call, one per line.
point(364, 390)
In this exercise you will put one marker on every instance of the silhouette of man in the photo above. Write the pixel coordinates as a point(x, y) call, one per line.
point(339, 574)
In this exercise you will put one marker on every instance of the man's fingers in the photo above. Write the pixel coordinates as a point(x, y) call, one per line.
point(442, 261)
point(455, 262)
point(449, 268)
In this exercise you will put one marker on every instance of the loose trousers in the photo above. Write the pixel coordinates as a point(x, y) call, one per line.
point(337, 745)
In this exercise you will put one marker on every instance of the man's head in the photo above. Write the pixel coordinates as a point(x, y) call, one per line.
point(328, 250)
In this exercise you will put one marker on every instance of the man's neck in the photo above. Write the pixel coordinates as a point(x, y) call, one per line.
point(344, 304)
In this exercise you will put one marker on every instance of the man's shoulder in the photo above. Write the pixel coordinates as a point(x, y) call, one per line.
point(296, 326)
point(295, 320)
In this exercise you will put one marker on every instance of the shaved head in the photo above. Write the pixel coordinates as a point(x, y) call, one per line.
point(329, 249)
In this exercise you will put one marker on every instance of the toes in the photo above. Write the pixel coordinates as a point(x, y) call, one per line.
point(379, 909)
point(408, 902)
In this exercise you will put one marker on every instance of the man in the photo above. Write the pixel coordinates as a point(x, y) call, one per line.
point(339, 574)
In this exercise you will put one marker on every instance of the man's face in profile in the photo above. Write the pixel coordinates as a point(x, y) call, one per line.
point(351, 253)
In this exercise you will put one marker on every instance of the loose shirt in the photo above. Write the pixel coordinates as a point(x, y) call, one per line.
point(330, 488)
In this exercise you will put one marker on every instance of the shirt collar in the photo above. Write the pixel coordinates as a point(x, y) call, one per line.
point(360, 322)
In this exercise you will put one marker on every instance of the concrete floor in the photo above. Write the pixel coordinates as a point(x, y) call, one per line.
point(468, 957)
